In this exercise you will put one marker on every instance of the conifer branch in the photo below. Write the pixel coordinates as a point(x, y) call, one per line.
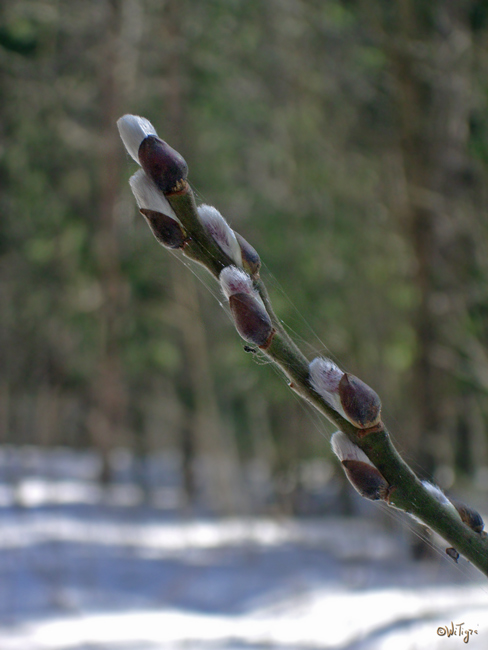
point(371, 462)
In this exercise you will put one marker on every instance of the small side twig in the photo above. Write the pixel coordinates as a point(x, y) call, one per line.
point(364, 447)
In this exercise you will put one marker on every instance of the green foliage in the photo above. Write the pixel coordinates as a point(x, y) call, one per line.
point(288, 114)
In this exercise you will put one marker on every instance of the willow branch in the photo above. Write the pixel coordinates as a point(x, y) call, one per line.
point(369, 457)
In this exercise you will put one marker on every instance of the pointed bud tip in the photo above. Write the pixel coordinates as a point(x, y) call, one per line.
point(345, 449)
point(220, 231)
point(147, 195)
point(133, 129)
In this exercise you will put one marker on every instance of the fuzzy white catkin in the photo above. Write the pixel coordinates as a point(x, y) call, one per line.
point(325, 375)
point(436, 492)
point(234, 280)
point(221, 232)
point(344, 449)
point(439, 495)
point(133, 129)
point(324, 378)
point(148, 196)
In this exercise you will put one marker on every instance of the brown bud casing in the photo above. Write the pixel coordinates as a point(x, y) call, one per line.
point(366, 479)
point(361, 404)
point(165, 166)
point(250, 258)
point(167, 231)
point(251, 319)
point(469, 516)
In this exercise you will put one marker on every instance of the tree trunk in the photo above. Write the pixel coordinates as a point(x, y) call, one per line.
point(108, 417)
point(431, 60)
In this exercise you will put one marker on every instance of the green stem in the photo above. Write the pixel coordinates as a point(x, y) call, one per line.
point(201, 248)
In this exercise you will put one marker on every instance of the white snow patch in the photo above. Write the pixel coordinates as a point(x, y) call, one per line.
point(321, 619)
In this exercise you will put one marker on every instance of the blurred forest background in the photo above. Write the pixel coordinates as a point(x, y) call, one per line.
point(347, 140)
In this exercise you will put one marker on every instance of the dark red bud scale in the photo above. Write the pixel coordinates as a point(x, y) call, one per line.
point(165, 166)
point(366, 479)
point(251, 319)
point(361, 404)
point(167, 231)
point(250, 258)
point(469, 516)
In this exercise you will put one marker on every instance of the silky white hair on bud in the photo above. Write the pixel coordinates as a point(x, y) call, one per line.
point(324, 378)
point(439, 495)
point(325, 375)
point(133, 129)
point(360, 471)
point(221, 232)
point(436, 492)
point(234, 280)
point(344, 449)
point(148, 196)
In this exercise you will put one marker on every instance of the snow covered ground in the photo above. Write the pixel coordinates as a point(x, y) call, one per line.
point(87, 569)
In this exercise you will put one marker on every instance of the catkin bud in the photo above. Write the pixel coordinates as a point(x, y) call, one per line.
point(234, 280)
point(251, 320)
point(469, 516)
point(324, 377)
point(439, 495)
point(148, 196)
point(251, 261)
point(345, 393)
point(133, 130)
point(250, 316)
point(221, 232)
point(360, 403)
point(365, 478)
point(158, 213)
point(164, 166)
